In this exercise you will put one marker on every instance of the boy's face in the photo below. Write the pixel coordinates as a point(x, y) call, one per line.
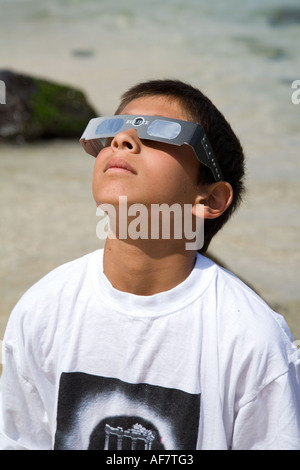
point(146, 172)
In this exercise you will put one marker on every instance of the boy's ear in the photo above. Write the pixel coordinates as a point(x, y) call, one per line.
point(215, 198)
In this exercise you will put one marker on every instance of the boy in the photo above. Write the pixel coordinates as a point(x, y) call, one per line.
point(147, 344)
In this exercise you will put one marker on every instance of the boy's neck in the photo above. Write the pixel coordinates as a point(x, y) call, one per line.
point(142, 269)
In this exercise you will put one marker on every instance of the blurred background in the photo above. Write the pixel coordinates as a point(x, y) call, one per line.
point(243, 55)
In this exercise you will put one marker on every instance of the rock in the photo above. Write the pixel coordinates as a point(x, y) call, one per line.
point(40, 109)
point(83, 53)
point(285, 16)
point(268, 51)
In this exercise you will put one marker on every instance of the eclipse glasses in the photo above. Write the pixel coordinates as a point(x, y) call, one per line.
point(159, 129)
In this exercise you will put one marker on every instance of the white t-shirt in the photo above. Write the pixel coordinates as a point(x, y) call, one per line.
point(205, 365)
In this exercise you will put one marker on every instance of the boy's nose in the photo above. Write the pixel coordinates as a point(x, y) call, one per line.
point(127, 140)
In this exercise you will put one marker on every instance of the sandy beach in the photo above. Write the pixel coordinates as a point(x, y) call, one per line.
point(246, 66)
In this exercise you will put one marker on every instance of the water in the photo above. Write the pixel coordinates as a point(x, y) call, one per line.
point(236, 52)
point(229, 49)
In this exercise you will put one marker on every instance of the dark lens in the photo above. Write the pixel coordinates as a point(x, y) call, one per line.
point(109, 126)
point(165, 129)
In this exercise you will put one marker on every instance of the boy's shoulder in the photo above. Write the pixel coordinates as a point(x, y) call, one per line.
point(66, 278)
point(231, 286)
point(243, 310)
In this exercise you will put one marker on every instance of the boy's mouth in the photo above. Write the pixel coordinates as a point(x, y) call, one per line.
point(119, 164)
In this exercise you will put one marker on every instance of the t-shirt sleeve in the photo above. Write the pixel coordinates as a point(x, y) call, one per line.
point(24, 424)
point(271, 420)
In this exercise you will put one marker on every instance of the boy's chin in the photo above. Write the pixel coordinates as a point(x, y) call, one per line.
point(115, 200)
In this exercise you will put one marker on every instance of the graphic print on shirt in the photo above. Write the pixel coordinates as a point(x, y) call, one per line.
point(102, 413)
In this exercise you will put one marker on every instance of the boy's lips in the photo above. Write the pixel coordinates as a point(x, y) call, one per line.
point(119, 164)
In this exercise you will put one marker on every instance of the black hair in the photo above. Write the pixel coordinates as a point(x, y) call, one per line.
point(223, 140)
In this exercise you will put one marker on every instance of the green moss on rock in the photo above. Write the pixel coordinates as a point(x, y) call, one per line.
point(37, 109)
point(58, 110)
